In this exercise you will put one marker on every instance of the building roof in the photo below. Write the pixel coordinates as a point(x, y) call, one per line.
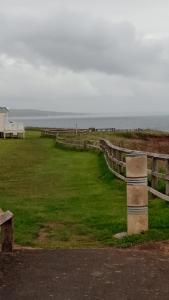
point(3, 109)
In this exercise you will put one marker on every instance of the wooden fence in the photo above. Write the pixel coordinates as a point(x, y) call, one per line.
point(57, 131)
point(115, 157)
point(78, 144)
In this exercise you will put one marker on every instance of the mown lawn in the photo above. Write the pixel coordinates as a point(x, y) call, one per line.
point(63, 198)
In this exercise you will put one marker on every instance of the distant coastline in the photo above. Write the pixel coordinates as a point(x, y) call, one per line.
point(34, 113)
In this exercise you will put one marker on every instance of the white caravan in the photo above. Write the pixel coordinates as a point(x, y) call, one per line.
point(8, 128)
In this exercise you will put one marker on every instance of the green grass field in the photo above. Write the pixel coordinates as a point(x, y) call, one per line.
point(63, 198)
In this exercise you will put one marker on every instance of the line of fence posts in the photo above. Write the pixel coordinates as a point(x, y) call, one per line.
point(131, 166)
point(155, 175)
point(117, 159)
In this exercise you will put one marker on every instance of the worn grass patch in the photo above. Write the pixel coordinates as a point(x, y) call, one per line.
point(63, 198)
point(66, 234)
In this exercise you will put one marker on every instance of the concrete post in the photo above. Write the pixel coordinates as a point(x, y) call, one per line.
point(137, 193)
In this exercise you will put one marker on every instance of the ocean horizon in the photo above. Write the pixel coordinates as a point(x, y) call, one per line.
point(97, 121)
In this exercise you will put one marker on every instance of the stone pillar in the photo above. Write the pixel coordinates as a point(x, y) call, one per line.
point(137, 193)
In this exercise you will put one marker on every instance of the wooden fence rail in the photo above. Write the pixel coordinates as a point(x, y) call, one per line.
point(78, 144)
point(115, 157)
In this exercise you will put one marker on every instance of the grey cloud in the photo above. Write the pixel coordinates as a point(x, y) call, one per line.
point(31, 87)
point(81, 43)
point(87, 57)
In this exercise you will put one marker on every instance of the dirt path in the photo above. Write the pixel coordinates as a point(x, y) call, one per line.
point(85, 274)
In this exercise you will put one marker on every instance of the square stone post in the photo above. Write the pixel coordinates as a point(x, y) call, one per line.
point(137, 193)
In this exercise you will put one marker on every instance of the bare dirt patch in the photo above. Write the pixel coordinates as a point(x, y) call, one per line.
point(148, 143)
point(65, 234)
point(157, 246)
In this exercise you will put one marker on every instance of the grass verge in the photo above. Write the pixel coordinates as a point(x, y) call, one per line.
point(63, 198)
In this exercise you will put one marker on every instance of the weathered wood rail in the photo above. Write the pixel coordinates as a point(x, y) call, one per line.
point(116, 161)
point(78, 144)
point(115, 157)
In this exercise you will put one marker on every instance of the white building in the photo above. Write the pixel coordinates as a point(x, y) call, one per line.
point(8, 128)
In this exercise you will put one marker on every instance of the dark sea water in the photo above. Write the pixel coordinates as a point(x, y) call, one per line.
point(152, 122)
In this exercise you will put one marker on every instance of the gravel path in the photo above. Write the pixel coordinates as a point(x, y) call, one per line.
point(65, 274)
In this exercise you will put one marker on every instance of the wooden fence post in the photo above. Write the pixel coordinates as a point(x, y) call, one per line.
point(137, 193)
point(6, 231)
point(167, 175)
point(120, 169)
point(109, 156)
point(154, 179)
point(115, 156)
point(85, 144)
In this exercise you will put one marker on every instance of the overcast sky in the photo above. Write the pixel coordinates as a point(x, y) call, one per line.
point(103, 56)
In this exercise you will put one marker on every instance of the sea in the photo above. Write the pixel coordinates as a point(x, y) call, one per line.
point(97, 121)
